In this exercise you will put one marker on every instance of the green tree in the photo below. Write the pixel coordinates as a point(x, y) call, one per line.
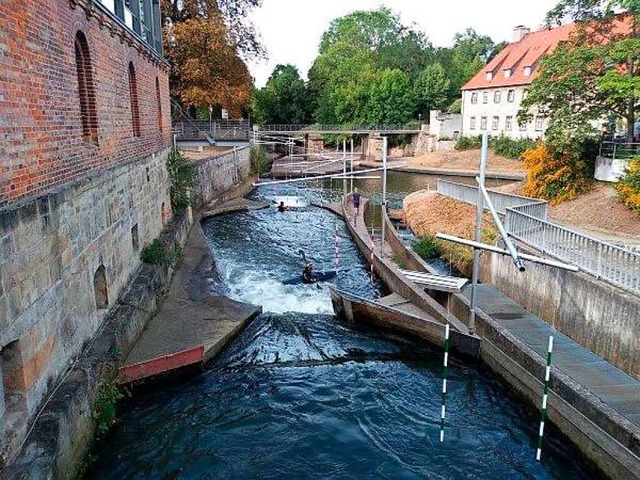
point(283, 99)
point(432, 88)
point(354, 52)
point(390, 99)
point(593, 75)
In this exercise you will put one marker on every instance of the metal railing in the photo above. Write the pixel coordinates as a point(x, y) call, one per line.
point(526, 220)
point(338, 128)
point(501, 201)
point(605, 261)
point(619, 150)
point(216, 129)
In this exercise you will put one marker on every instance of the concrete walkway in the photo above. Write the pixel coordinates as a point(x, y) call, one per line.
point(192, 325)
point(618, 390)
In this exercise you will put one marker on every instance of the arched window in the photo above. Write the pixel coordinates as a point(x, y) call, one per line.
point(159, 101)
point(86, 90)
point(133, 93)
point(100, 288)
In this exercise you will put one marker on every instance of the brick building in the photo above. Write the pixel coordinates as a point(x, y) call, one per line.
point(85, 129)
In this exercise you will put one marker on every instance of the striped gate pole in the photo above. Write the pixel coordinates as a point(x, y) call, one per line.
point(337, 255)
point(445, 371)
point(545, 396)
point(373, 247)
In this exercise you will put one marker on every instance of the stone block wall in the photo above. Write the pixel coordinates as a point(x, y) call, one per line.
point(218, 173)
point(66, 258)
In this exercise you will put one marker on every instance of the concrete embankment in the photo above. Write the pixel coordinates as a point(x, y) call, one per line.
point(595, 404)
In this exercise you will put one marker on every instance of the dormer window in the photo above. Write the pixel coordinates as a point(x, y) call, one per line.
point(489, 76)
point(527, 71)
point(507, 72)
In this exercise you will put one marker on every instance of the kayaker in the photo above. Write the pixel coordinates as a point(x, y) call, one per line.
point(307, 273)
point(282, 207)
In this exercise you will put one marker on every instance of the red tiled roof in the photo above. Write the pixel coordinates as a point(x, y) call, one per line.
point(516, 56)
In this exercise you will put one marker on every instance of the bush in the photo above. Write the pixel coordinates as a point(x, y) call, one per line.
point(182, 177)
point(156, 253)
point(426, 247)
point(509, 148)
point(104, 409)
point(455, 107)
point(259, 160)
point(629, 187)
point(559, 172)
point(468, 143)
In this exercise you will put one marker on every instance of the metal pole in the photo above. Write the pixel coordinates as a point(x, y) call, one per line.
point(384, 193)
point(445, 371)
point(478, 233)
point(493, 248)
point(545, 397)
point(512, 250)
point(351, 164)
point(344, 165)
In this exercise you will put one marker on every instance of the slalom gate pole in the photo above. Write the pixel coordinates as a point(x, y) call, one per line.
point(373, 248)
point(337, 256)
point(445, 371)
point(545, 397)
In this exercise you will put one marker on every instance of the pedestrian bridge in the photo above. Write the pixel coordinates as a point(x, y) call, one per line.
point(338, 129)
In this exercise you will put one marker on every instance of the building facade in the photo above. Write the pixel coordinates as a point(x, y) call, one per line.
point(491, 99)
point(85, 130)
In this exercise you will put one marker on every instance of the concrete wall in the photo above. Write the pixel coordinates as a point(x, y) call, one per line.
point(444, 125)
point(599, 316)
point(218, 173)
point(51, 249)
point(609, 169)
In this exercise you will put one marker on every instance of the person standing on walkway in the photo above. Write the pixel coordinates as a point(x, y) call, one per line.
point(356, 203)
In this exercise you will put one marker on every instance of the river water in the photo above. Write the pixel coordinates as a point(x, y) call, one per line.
point(301, 395)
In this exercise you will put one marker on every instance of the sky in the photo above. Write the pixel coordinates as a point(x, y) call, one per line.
point(291, 29)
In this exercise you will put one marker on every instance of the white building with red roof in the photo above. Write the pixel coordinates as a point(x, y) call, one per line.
point(491, 99)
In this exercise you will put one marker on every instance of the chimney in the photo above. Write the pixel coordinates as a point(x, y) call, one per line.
point(519, 32)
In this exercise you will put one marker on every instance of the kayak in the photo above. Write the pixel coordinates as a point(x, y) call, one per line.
point(318, 277)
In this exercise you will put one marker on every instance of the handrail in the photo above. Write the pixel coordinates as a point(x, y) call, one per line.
point(526, 220)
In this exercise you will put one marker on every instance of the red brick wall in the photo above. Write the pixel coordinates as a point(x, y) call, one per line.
point(41, 140)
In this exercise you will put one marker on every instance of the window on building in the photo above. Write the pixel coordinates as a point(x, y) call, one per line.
point(483, 123)
point(507, 72)
point(485, 97)
point(508, 123)
point(527, 71)
point(495, 123)
point(539, 123)
point(523, 127)
point(489, 76)
point(511, 95)
point(159, 102)
point(12, 383)
point(496, 96)
point(472, 123)
point(135, 239)
point(474, 97)
point(133, 93)
point(86, 90)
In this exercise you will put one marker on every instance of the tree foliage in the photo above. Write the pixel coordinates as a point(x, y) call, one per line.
point(283, 99)
point(206, 42)
point(593, 75)
point(432, 88)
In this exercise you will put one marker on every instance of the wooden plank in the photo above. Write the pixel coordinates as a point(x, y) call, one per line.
point(391, 300)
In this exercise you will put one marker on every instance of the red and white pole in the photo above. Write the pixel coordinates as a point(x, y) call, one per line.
point(373, 247)
point(337, 255)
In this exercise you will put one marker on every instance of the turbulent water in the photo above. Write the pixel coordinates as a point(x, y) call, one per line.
point(301, 395)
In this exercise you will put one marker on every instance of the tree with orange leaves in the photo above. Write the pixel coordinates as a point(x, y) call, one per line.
point(205, 42)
